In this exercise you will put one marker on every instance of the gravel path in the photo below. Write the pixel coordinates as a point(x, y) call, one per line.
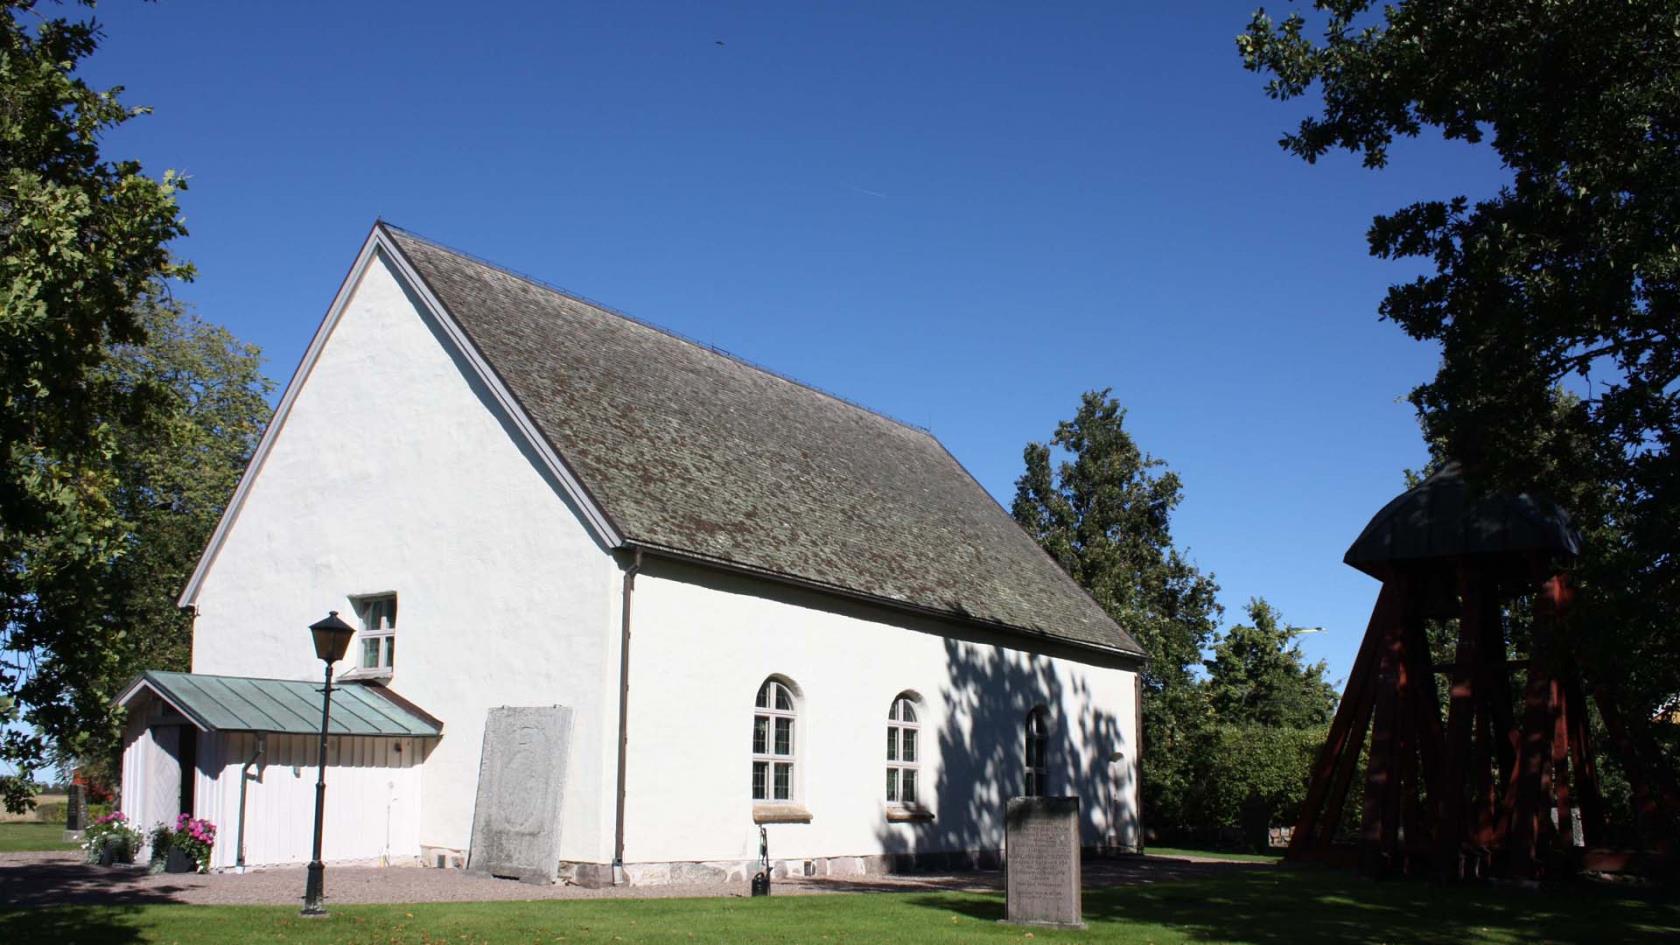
point(39, 879)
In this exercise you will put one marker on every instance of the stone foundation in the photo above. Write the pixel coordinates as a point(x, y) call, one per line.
point(443, 858)
point(722, 872)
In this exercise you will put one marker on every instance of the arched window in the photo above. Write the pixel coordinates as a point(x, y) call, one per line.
point(772, 745)
point(903, 751)
point(1038, 749)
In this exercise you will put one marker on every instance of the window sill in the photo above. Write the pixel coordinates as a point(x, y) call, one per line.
point(362, 674)
point(906, 815)
point(782, 813)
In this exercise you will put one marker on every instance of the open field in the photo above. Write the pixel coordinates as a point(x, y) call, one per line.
point(1258, 907)
point(44, 804)
point(19, 837)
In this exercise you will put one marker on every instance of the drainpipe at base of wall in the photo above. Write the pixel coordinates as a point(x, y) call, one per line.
point(244, 780)
point(623, 716)
point(1138, 750)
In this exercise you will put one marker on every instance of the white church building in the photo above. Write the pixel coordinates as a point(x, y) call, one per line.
point(763, 605)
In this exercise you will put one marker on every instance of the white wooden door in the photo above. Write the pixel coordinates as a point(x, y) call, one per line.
point(160, 800)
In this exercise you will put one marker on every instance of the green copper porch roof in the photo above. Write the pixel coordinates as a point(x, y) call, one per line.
point(286, 706)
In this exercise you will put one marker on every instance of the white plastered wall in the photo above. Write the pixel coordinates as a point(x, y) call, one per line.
point(395, 471)
point(703, 643)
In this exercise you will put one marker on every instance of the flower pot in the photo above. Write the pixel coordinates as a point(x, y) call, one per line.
point(107, 854)
point(179, 862)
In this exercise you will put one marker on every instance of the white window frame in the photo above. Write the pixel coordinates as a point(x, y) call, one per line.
point(904, 752)
point(1036, 780)
point(769, 712)
point(384, 638)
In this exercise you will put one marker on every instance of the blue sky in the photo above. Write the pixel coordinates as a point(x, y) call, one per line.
point(962, 215)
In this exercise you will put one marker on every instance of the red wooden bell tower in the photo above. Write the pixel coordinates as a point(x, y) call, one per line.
point(1501, 786)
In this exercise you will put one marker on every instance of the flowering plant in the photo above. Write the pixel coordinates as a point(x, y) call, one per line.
point(160, 838)
point(111, 834)
point(195, 838)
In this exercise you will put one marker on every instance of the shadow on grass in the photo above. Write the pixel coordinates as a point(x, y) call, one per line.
point(1306, 907)
point(67, 880)
point(75, 925)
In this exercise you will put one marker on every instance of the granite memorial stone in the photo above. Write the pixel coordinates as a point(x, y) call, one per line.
point(1041, 862)
point(75, 813)
point(521, 788)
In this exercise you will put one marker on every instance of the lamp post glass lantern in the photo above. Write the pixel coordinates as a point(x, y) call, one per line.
point(332, 641)
point(332, 638)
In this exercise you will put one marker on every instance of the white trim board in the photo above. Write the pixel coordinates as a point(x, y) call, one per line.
point(379, 243)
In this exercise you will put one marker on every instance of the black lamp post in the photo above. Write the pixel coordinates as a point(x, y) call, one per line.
point(332, 639)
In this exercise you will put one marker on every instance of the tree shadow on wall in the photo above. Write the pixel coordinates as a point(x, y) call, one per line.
point(980, 760)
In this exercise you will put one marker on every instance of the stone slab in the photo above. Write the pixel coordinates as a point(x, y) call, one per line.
point(521, 789)
point(1041, 862)
point(76, 809)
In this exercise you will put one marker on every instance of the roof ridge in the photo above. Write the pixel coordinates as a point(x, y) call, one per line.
point(188, 672)
point(580, 298)
point(715, 461)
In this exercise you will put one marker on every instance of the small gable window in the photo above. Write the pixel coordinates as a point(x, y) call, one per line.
point(903, 751)
point(1038, 748)
point(773, 755)
point(377, 645)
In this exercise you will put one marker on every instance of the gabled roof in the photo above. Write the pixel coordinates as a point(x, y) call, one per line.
point(690, 452)
point(671, 447)
point(285, 706)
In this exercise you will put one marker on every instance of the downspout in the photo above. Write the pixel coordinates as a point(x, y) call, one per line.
point(623, 714)
point(257, 750)
point(1138, 749)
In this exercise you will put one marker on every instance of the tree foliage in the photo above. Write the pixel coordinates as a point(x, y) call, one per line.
point(1269, 710)
point(82, 239)
point(1249, 777)
point(1232, 749)
point(1258, 676)
point(1569, 274)
point(1105, 513)
point(113, 616)
point(92, 622)
point(84, 268)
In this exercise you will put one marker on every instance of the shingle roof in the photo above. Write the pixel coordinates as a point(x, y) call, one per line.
point(692, 451)
point(287, 706)
point(1442, 517)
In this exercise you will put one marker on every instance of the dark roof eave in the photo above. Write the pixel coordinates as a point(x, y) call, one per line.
point(386, 693)
point(1138, 659)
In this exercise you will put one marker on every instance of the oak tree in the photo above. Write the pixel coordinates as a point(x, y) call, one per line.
point(1567, 276)
point(85, 268)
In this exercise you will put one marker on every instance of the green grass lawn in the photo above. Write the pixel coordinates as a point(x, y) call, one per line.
point(1217, 854)
point(22, 836)
point(1264, 907)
